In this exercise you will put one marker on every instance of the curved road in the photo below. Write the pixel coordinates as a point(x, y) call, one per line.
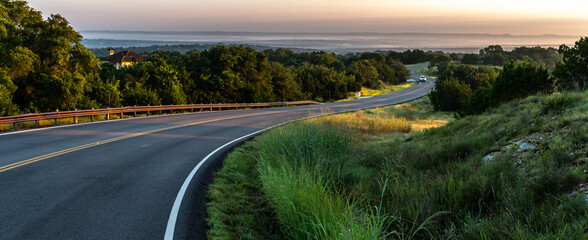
point(123, 179)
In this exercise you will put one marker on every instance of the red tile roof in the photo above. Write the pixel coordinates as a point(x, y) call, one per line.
point(125, 56)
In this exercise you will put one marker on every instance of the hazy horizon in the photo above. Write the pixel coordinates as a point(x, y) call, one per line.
point(525, 17)
point(332, 42)
point(318, 33)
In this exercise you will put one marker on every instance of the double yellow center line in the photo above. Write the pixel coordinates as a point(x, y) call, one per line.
point(89, 145)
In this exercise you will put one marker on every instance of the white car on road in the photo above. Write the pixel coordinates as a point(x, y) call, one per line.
point(423, 79)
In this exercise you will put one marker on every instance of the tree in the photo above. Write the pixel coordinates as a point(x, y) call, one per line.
point(232, 74)
point(454, 56)
point(546, 57)
point(441, 61)
point(140, 96)
point(480, 101)
point(464, 88)
point(471, 58)
point(493, 55)
point(572, 73)
point(43, 58)
point(366, 73)
point(7, 88)
point(475, 77)
point(519, 80)
point(411, 56)
point(320, 82)
point(450, 95)
point(103, 92)
point(284, 86)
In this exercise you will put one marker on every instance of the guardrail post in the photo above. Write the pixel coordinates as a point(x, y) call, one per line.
point(36, 123)
point(92, 117)
point(160, 109)
point(121, 113)
point(135, 112)
point(107, 114)
point(75, 117)
point(56, 118)
point(15, 126)
point(147, 110)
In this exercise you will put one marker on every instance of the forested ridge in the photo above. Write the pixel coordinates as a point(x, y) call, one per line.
point(44, 67)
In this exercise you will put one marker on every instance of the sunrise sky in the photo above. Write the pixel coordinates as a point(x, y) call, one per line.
point(564, 17)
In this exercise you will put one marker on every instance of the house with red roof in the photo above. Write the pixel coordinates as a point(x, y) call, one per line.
point(124, 58)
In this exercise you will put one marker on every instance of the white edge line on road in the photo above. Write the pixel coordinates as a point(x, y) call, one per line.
point(171, 223)
point(173, 216)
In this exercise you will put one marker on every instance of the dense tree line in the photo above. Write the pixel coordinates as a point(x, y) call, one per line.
point(467, 89)
point(44, 67)
point(224, 74)
point(495, 55)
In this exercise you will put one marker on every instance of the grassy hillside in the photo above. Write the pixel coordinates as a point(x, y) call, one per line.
point(405, 172)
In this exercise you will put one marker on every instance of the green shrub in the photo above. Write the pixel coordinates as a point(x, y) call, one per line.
point(519, 80)
point(450, 95)
point(557, 103)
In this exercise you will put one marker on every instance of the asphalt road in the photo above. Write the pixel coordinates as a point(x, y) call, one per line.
point(120, 179)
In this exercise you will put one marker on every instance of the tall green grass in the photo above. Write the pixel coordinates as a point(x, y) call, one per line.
point(238, 208)
point(325, 179)
point(300, 166)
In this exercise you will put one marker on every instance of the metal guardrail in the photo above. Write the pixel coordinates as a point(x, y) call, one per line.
point(148, 109)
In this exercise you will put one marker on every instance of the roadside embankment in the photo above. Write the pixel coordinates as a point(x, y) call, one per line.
point(518, 171)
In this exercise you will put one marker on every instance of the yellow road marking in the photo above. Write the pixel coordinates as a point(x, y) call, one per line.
point(89, 145)
point(73, 149)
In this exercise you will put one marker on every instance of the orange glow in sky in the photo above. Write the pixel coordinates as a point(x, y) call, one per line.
point(566, 17)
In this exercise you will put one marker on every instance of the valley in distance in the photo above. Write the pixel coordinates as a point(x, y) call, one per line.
point(340, 43)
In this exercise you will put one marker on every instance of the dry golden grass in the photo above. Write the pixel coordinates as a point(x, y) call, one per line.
point(370, 123)
point(5, 127)
point(407, 106)
point(383, 120)
point(422, 124)
point(368, 92)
